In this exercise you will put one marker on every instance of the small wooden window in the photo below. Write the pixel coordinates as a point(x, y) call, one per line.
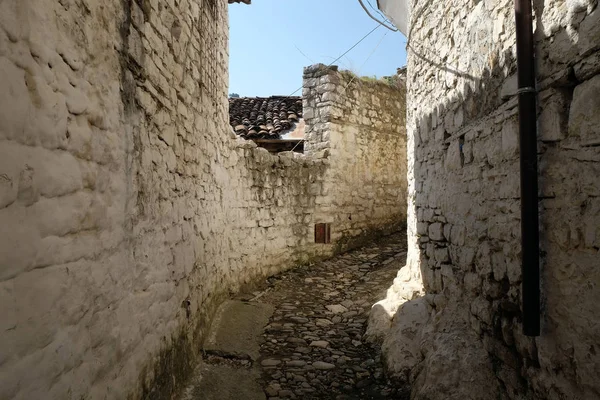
point(322, 233)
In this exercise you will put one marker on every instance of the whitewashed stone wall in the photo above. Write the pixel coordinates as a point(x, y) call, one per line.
point(128, 210)
point(360, 125)
point(456, 327)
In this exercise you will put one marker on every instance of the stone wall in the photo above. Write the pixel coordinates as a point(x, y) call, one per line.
point(359, 123)
point(456, 330)
point(128, 210)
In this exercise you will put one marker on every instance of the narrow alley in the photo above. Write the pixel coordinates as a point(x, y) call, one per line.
point(181, 183)
point(312, 346)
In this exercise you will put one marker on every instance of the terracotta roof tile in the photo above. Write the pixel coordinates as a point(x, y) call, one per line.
point(264, 117)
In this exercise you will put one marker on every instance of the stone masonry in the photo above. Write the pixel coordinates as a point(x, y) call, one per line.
point(129, 210)
point(451, 323)
point(356, 124)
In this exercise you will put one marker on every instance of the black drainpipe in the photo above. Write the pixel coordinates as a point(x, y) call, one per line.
point(530, 234)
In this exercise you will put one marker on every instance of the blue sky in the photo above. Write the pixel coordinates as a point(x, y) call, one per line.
point(268, 37)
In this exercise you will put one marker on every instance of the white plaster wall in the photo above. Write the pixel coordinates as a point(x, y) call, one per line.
point(462, 279)
point(128, 210)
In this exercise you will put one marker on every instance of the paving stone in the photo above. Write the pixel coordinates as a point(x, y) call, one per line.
point(270, 363)
point(313, 342)
point(320, 365)
point(336, 308)
point(237, 327)
point(296, 363)
point(272, 390)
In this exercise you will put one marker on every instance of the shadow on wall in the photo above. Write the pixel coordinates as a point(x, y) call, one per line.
point(451, 322)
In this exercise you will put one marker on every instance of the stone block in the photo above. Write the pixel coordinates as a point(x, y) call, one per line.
point(493, 148)
point(589, 31)
point(458, 118)
point(430, 250)
point(442, 255)
point(454, 156)
point(553, 118)
point(135, 47)
point(402, 343)
point(449, 280)
point(492, 289)
point(481, 309)
point(329, 96)
point(510, 138)
point(422, 228)
point(472, 283)
point(584, 119)
point(498, 27)
point(509, 87)
point(310, 82)
point(513, 270)
point(457, 235)
point(498, 266)
point(167, 134)
point(308, 113)
point(15, 102)
point(437, 285)
point(428, 214)
point(137, 16)
point(436, 231)
point(588, 67)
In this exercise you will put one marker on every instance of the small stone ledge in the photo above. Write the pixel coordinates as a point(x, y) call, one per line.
point(318, 70)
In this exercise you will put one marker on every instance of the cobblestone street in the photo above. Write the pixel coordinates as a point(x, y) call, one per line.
point(313, 345)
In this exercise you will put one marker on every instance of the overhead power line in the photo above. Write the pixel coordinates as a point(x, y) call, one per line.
point(356, 75)
point(356, 44)
point(301, 52)
point(337, 59)
point(365, 62)
point(330, 64)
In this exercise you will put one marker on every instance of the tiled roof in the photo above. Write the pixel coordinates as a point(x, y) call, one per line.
point(264, 117)
point(239, 1)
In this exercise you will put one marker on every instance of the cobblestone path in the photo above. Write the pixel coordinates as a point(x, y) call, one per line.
point(313, 346)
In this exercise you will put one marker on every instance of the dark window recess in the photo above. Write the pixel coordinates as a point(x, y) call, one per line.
point(322, 233)
point(279, 145)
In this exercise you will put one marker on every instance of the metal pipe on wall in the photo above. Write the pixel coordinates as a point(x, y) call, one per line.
point(530, 235)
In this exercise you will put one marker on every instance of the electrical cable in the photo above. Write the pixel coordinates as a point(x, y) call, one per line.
point(337, 59)
point(301, 52)
point(375, 19)
point(356, 75)
point(356, 44)
point(329, 65)
point(363, 64)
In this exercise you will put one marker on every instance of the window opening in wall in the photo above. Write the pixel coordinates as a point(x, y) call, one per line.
point(323, 233)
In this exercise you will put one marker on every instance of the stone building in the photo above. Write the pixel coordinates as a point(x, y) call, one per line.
point(451, 324)
point(128, 207)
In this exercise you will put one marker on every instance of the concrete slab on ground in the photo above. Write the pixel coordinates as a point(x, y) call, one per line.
point(237, 329)
point(224, 382)
point(229, 371)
